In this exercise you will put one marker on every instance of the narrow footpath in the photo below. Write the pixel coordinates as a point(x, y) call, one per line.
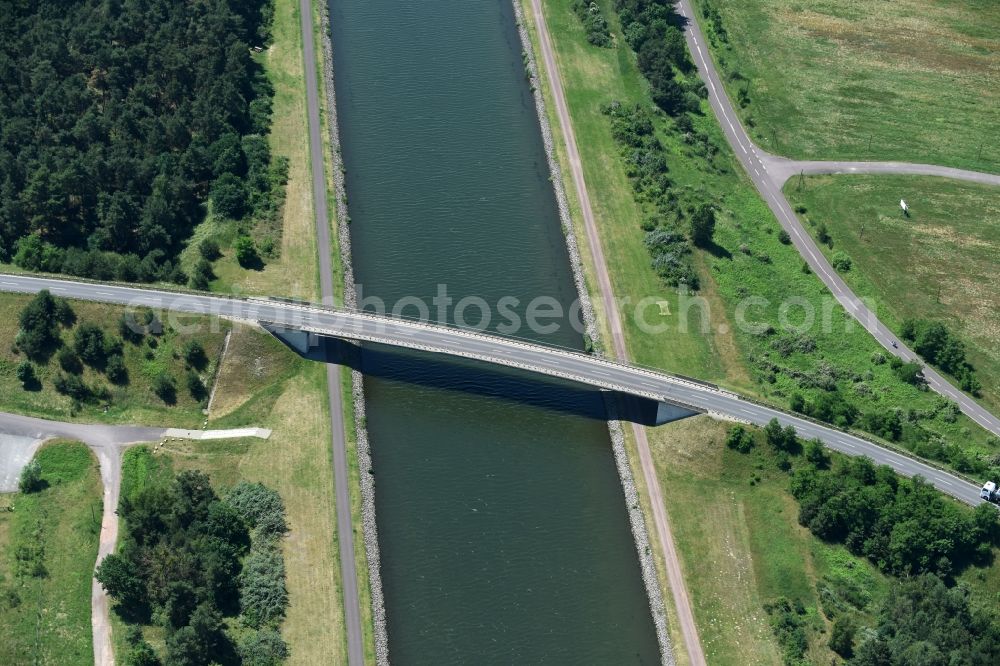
point(675, 576)
point(338, 438)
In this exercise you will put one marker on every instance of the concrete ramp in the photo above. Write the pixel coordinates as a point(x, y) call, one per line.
point(235, 433)
point(16, 451)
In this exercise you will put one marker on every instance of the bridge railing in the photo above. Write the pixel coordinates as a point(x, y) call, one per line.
point(652, 371)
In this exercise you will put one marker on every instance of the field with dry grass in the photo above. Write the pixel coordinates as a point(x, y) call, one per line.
point(914, 80)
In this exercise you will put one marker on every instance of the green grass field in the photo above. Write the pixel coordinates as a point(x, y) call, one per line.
point(133, 402)
point(912, 80)
point(46, 617)
point(749, 263)
point(941, 263)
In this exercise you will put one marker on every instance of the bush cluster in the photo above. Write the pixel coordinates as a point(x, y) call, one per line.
point(593, 21)
point(646, 166)
point(187, 562)
point(651, 28)
point(923, 621)
point(904, 526)
point(940, 347)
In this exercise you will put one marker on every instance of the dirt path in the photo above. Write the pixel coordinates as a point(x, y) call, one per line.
point(108, 443)
point(675, 577)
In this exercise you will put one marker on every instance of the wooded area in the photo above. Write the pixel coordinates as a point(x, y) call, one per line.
point(119, 120)
point(190, 560)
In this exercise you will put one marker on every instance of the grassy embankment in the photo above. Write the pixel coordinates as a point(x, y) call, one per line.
point(261, 382)
point(130, 402)
point(48, 545)
point(939, 264)
point(913, 80)
point(753, 262)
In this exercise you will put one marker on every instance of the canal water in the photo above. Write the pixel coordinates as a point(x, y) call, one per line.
point(502, 525)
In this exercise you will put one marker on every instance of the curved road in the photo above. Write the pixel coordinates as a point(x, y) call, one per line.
point(780, 169)
point(546, 360)
point(769, 173)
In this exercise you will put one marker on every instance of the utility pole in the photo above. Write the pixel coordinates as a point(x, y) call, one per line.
point(802, 177)
point(870, 137)
point(979, 153)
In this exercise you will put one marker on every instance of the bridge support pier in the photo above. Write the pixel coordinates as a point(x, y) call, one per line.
point(668, 413)
point(318, 347)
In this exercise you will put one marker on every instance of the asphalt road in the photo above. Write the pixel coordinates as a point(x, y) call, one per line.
point(338, 443)
point(661, 522)
point(769, 173)
point(780, 169)
point(551, 361)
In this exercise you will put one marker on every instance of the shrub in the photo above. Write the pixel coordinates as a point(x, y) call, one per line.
point(196, 387)
point(703, 225)
point(260, 507)
point(739, 439)
point(26, 374)
point(229, 196)
point(841, 262)
point(69, 361)
point(789, 628)
point(30, 480)
point(201, 276)
point(842, 636)
point(115, 369)
point(40, 321)
point(209, 249)
point(71, 386)
point(194, 355)
point(164, 388)
point(911, 373)
point(264, 647)
point(593, 21)
point(246, 252)
point(823, 235)
point(89, 344)
point(263, 595)
point(784, 238)
point(816, 454)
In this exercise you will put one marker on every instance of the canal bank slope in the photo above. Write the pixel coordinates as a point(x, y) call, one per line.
point(598, 275)
point(352, 595)
point(637, 521)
